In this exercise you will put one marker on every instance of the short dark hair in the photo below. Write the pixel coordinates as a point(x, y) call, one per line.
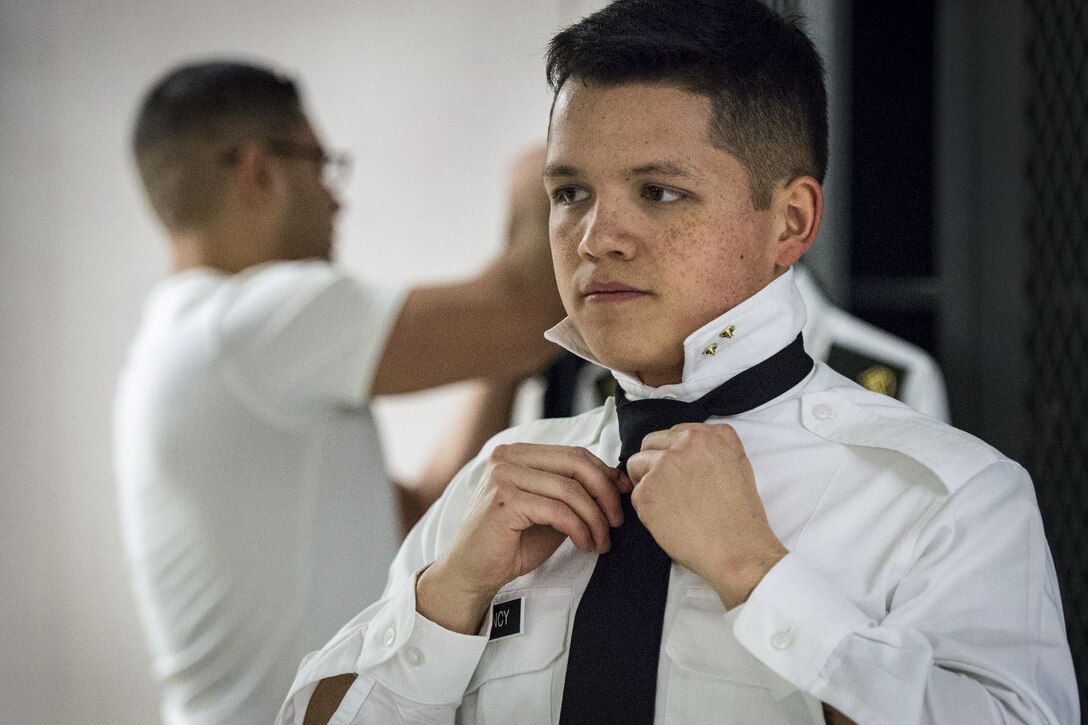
point(189, 119)
point(761, 72)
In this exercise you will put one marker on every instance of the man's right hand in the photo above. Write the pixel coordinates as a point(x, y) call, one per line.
point(531, 499)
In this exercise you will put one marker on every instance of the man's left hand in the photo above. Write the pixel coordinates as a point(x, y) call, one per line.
point(696, 493)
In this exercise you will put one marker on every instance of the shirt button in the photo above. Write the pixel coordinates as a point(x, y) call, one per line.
point(782, 639)
point(823, 411)
point(414, 656)
point(710, 349)
point(390, 636)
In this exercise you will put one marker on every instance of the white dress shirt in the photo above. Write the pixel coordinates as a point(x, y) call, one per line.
point(918, 587)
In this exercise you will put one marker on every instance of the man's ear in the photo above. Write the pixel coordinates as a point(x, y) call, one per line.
point(254, 177)
point(799, 207)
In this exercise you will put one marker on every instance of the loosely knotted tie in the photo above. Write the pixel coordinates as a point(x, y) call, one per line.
point(616, 642)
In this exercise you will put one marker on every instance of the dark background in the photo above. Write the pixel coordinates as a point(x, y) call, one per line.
point(968, 166)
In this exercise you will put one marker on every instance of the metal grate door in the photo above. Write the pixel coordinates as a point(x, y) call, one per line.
point(1057, 230)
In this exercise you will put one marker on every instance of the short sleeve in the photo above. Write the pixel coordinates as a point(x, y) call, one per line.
point(300, 336)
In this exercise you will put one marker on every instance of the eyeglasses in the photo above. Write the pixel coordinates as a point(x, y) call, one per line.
point(335, 165)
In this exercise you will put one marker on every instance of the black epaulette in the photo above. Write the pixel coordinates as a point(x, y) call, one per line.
point(871, 373)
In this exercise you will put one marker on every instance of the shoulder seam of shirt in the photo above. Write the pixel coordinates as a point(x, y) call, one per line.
point(953, 456)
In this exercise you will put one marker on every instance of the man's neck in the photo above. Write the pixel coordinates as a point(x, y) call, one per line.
point(193, 249)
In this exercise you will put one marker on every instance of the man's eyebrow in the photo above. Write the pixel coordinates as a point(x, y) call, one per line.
point(658, 168)
point(554, 170)
point(664, 168)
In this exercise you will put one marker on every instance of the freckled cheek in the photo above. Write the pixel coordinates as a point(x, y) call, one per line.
point(690, 251)
point(565, 263)
point(562, 235)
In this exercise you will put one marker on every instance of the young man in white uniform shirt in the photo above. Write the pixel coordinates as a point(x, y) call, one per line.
point(835, 555)
point(256, 510)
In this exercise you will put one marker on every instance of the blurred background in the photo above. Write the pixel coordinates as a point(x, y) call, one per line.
point(957, 218)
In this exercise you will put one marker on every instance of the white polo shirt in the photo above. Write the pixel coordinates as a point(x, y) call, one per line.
point(256, 511)
point(918, 587)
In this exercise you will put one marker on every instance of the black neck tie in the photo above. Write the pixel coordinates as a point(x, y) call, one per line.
point(616, 642)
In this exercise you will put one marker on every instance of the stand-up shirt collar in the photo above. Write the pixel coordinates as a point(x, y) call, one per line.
point(724, 347)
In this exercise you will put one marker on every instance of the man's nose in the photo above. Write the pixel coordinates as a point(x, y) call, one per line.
point(607, 231)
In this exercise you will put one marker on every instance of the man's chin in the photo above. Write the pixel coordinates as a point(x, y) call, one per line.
point(627, 356)
point(612, 356)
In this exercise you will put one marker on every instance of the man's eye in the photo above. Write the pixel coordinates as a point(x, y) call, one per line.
point(653, 192)
point(568, 195)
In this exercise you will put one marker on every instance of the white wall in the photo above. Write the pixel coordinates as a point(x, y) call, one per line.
point(432, 98)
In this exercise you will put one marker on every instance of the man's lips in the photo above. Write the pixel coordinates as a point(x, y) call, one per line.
point(611, 292)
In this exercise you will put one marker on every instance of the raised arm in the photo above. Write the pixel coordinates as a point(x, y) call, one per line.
point(972, 630)
point(491, 325)
point(503, 517)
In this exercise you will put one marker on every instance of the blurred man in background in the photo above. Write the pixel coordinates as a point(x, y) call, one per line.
point(257, 514)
